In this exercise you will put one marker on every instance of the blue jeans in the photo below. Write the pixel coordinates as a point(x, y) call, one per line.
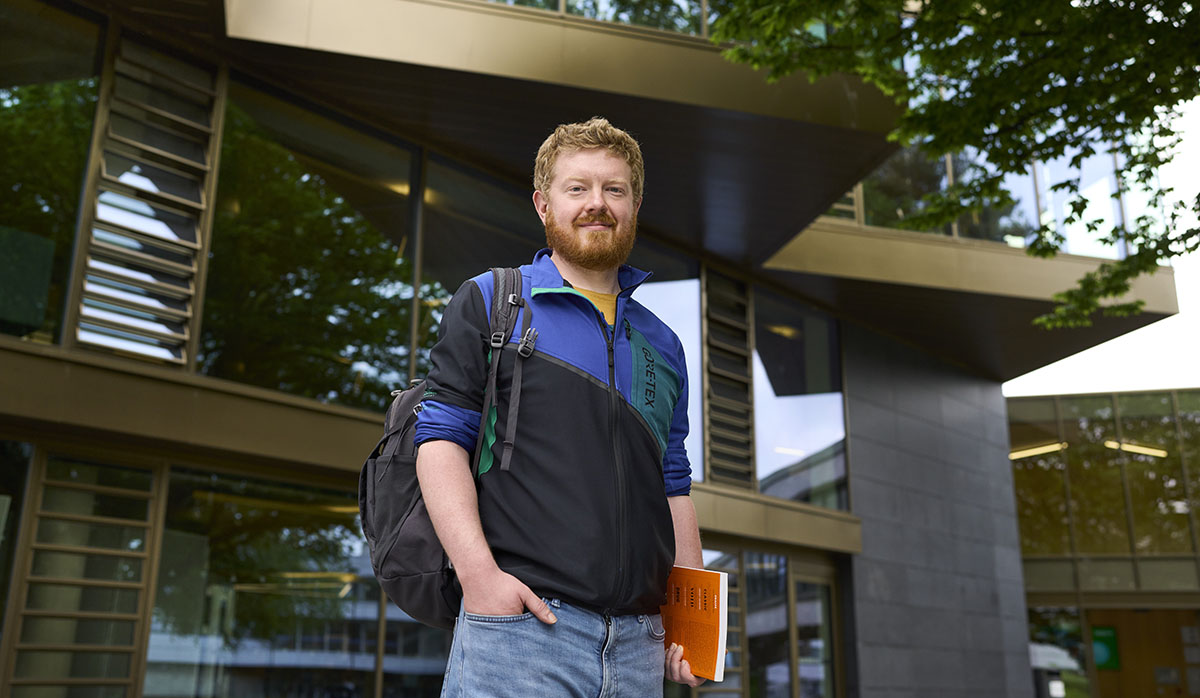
point(583, 655)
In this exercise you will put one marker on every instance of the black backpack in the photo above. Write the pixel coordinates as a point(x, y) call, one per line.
point(408, 560)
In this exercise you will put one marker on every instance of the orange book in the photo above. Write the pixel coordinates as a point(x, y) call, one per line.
point(696, 616)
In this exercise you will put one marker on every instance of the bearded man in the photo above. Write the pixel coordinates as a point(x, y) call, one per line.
point(563, 550)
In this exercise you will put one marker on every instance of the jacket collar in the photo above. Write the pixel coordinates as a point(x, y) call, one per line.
point(546, 276)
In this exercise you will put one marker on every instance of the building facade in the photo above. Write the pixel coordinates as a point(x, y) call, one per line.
point(227, 230)
point(1106, 487)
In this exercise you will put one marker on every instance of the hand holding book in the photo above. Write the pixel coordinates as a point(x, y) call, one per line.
point(696, 618)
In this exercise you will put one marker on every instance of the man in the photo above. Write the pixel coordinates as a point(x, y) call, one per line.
point(563, 557)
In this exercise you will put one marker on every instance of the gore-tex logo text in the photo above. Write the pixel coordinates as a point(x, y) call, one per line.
point(650, 383)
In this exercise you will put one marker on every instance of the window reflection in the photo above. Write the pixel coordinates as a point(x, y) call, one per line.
point(1155, 474)
point(1056, 651)
point(263, 589)
point(799, 422)
point(48, 92)
point(1097, 184)
point(893, 192)
point(767, 625)
point(14, 469)
point(309, 285)
point(1039, 468)
point(673, 15)
point(814, 631)
point(1097, 493)
point(1012, 224)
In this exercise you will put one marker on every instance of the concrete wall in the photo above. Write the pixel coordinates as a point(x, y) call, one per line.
point(938, 604)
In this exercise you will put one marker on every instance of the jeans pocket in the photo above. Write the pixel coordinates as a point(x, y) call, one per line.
point(654, 626)
point(478, 618)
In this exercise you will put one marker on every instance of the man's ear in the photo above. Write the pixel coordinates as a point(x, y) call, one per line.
point(541, 204)
point(638, 206)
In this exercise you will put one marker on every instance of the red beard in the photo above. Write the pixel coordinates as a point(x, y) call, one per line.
point(597, 250)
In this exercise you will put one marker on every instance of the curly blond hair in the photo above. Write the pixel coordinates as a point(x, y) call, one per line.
point(596, 132)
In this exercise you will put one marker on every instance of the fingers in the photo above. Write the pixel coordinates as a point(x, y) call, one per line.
point(538, 607)
point(677, 668)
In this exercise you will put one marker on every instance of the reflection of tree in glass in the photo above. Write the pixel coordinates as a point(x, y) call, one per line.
point(997, 220)
point(44, 138)
point(304, 294)
point(1159, 503)
point(1097, 495)
point(1041, 504)
point(659, 14)
point(893, 192)
point(275, 552)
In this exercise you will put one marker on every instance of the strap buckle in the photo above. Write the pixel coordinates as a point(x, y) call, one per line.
point(527, 341)
point(497, 341)
point(514, 299)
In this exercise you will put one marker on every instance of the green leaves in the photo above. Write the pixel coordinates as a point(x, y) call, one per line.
point(1016, 82)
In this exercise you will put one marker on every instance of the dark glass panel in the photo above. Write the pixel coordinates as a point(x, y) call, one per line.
point(1039, 465)
point(1150, 447)
point(309, 286)
point(131, 538)
point(1189, 431)
point(107, 475)
point(111, 568)
point(799, 419)
point(767, 625)
point(73, 665)
point(48, 92)
point(73, 501)
point(893, 192)
point(673, 15)
point(67, 598)
point(1013, 223)
point(262, 591)
point(1056, 649)
point(1097, 493)
point(76, 631)
point(69, 692)
point(814, 632)
point(14, 470)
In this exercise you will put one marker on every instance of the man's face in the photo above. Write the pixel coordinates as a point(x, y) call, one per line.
point(589, 213)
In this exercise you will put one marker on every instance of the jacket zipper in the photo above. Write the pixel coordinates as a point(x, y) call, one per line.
point(619, 470)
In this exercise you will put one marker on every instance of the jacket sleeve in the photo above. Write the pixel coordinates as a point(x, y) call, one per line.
point(677, 471)
point(454, 387)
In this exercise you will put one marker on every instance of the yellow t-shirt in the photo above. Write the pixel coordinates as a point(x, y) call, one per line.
point(606, 303)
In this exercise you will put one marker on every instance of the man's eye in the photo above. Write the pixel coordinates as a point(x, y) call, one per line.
point(616, 190)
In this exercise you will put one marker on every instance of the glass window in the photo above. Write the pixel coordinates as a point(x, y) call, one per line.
point(1039, 466)
point(673, 294)
point(767, 625)
point(799, 420)
point(893, 192)
point(1097, 493)
point(1057, 653)
point(1189, 431)
point(1012, 224)
point(14, 469)
point(309, 284)
point(1150, 448)
point(263, 589)
point(814, 632)
point(672, 15)
point(1097, 184)
point(48, 92)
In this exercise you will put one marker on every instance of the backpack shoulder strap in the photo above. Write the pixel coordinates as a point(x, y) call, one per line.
point(506, 300)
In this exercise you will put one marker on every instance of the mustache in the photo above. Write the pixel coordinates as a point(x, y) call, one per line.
point(602, 218)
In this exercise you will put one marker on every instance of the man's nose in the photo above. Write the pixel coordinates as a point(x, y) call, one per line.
point(595, 201)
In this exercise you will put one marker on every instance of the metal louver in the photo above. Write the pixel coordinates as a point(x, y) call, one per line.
point(142, 243)
point(728, 379)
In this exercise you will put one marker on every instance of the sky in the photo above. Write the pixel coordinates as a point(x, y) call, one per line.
point(1162, 355)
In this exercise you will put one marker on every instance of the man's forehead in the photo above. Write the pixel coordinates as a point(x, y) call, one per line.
point(581, 162)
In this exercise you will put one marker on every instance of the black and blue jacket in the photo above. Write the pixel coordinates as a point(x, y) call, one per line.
point(582, 512)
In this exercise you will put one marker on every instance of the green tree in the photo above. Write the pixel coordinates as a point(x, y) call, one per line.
point(1017, 83)
point(304, 293)
point(44, 136)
